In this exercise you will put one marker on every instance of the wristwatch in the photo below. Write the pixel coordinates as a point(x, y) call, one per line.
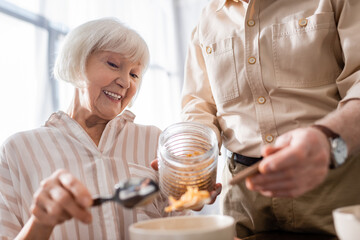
point(338, 148)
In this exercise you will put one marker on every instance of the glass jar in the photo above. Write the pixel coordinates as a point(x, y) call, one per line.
point(187, 156)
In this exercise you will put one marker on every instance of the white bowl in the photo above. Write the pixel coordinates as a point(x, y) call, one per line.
point(209, 227)
point(347, 222)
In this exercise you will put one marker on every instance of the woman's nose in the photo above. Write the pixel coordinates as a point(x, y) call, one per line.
point(123, 82)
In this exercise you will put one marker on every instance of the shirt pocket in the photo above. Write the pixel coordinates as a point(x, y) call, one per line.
point(220, 65)
point(305, 52)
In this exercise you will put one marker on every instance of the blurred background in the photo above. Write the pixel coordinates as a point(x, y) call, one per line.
point(31, 31)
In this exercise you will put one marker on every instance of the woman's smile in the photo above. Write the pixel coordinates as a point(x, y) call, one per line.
point(112, 96)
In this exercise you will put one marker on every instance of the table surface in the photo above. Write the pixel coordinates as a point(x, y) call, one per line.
point(288, 236)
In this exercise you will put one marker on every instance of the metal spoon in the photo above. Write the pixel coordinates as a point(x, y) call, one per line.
point(131, 193)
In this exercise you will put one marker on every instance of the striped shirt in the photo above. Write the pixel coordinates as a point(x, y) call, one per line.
point(125, 150)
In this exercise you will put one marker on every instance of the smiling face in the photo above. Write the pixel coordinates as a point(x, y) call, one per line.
point(112, 82)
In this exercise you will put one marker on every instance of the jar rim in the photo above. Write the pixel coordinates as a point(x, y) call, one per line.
point(181, 129)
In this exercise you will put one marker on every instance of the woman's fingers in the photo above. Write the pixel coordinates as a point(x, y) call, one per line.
point(61, 197)
point(213, 196)
point(40, 209)
point(43, 217)
point(215, 192)
point(69, 207)
point(47, 211)
point(76, 188)
point(155, 165)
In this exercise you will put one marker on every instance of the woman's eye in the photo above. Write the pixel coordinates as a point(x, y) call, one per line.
point(134, 75)
point(112, 64)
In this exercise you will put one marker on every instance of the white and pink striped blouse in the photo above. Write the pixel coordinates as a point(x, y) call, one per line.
point(125, 150)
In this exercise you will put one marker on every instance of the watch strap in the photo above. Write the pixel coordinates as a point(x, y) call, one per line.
point(330, 135)
point(327, 131)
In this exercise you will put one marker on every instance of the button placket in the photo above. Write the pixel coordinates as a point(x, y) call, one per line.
point(251, 22)
point(252, 60)
point(261, 100)
point(264, 112)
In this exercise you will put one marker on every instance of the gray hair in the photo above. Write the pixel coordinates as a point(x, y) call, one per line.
point(105, 34)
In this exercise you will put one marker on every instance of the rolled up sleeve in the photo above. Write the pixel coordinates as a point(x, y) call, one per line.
point(348, 28)
point(197, 101)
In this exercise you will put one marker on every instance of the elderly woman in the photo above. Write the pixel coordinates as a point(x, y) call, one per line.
point(105, 61)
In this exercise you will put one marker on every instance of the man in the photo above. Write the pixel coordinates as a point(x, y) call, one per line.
point(280, 80)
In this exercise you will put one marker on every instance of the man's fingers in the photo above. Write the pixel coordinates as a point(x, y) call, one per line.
point(268, 150)
point(282, 159)
point(283, 140)
point(274, 183)
point(283, 194)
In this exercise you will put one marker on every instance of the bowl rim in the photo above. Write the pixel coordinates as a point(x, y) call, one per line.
point(342, 210)
point(344, 213)
point(133, 227)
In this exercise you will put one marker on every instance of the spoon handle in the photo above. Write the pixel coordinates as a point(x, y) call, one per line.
point(253, 169)
point(98, 201)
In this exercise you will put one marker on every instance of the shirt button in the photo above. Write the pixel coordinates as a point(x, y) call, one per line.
point(252, 60)
point(251, 23)
point(269, 138)
point(208, 50)
point(303, 22)
point(261, 100)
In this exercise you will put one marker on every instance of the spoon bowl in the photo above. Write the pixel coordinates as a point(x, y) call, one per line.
point(131, 193)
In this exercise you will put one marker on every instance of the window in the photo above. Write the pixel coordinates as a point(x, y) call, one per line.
point(26, 88)
point(34, 28)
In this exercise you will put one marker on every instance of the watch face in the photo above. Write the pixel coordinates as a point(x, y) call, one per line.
point(340, 151)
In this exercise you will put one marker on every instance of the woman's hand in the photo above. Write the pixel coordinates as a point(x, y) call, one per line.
point(213, 194)
point(59, 198)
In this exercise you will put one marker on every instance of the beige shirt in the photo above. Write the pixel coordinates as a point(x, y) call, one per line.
point(255, 71)
point(125, 150)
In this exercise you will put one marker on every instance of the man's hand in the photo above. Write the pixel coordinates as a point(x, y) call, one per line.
point(297, 163)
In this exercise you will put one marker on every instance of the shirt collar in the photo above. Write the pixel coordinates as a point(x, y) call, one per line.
point(126, 115)
point(223, 2)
